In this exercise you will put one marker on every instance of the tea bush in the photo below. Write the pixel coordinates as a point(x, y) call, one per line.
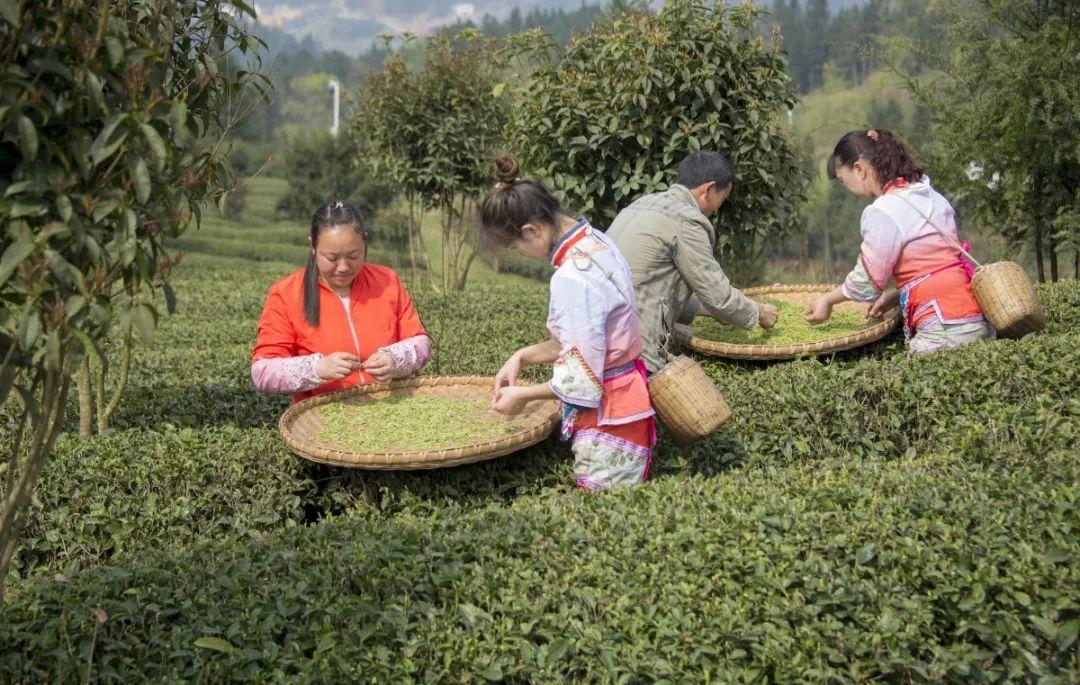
point(930, 568)
point(863, 516)
point(130, 490)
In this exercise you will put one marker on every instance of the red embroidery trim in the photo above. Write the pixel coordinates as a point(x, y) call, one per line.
point(557, 260)
point(592, 376)
point(895, 183)
point(866, 268)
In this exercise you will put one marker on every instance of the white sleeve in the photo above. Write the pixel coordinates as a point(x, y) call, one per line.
point(577, 318)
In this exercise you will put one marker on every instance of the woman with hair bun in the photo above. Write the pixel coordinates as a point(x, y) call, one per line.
point(595, 345)
point(908, 237)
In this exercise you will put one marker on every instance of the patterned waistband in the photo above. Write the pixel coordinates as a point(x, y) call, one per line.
point(616, 371)
point(907, 287)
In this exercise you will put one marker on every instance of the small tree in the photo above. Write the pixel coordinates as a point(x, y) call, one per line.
point(112, 115)
point(319, 168)
point(1005, 111)
point(432, 131)
point(609, 119)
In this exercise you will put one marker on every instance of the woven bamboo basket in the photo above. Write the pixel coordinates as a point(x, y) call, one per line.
point(1008, 300)
point(301, 423)
point(800, 295)
point(687, 401)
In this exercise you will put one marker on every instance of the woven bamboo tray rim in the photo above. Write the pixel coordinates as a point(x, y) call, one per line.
point(793, 351)
point(538, 425)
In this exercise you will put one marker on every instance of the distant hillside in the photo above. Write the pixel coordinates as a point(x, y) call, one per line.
point(352, 26)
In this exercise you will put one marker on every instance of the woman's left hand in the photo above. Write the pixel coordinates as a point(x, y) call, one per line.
point(381, 366)
point(886, 301)
point(510, 400)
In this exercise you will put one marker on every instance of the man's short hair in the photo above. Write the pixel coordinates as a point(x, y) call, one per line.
point(704, 166)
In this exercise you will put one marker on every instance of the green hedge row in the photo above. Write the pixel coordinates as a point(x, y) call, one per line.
point(128, 491)
point(931, 568)
point(974, 401)
point(958, 468)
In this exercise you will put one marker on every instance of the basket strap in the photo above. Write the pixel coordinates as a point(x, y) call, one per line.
point(577, 254)
point(937, 228)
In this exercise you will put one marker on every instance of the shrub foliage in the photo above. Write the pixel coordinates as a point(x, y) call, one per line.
point(864, 516)
point(112, 116)
point(610, 118)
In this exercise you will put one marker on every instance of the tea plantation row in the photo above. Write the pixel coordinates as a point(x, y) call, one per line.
point(863, 516)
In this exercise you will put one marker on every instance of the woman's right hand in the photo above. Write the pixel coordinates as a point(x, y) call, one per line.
point(767, 315)
point(336, 365)
point(508, 374)
point(819, 311)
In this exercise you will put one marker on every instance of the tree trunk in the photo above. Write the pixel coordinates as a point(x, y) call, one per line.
point(13, 517)
point(1053, 260)
point(445, 219)
point(105, 412)
point(826, 245)
point(86, 398)
point(412, 240)
point(1039, 269)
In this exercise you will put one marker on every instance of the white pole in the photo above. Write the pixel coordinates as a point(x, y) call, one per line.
point(335, 88)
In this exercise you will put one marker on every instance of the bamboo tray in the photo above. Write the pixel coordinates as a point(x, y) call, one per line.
point(801, 295)
point(301, 423)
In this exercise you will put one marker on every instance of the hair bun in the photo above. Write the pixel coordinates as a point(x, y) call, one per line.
point(507, 168)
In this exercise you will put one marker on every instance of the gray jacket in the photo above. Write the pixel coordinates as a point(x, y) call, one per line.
point(669, 246)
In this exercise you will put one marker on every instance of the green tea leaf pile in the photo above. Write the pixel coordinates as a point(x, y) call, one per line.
point(411, 423)
point(790, 328)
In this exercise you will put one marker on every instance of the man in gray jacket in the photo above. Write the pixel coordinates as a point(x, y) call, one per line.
point(669, 242)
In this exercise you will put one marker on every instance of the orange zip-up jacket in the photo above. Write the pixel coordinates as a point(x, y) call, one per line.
point(380, 313)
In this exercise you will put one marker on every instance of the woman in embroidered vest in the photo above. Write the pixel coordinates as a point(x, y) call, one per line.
point(595, 345)
point(338, 322)
point(903, 241)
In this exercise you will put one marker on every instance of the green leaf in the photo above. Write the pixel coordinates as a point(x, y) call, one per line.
point(178, 118)
point(28, 331)
point(97, 91)
point(142, 317)
point(13, 256)
point(1067, 634)
point(557, 650)
point(1045, 626)
point(63, 207)
point(104, 146)
point(10, 11)
point(22, 187)
point(214, 643)
point(493, 672)
point(115, 49)
point(20, 209)
point(157, 145)
point(140, 179)
point(104, 209)
point(28, 138)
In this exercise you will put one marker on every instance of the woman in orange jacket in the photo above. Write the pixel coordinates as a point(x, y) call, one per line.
point(338, 322)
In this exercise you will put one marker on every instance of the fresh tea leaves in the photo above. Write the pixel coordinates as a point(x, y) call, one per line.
point(410, 423)
point(790, 328)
